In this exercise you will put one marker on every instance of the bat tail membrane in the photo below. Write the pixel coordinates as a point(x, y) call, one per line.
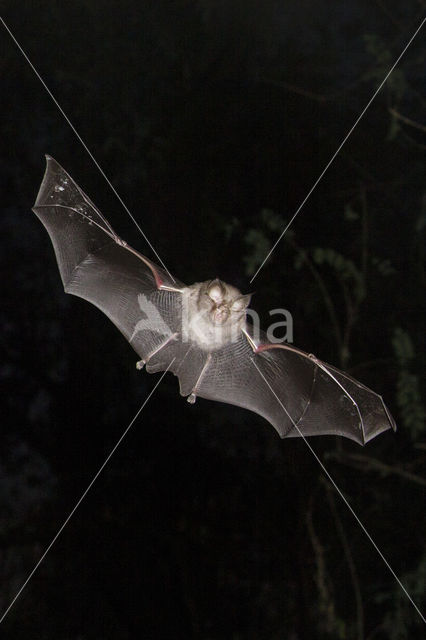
point(229, 375)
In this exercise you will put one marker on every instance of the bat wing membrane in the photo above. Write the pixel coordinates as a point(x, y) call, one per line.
point(297, 393)
point(95, 264)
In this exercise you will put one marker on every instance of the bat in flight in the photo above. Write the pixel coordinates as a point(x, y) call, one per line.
point(199, 332)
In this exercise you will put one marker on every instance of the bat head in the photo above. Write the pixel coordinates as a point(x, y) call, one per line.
point(214, 313)
point(224, 302)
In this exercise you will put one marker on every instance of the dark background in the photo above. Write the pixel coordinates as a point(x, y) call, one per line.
point(213, 119)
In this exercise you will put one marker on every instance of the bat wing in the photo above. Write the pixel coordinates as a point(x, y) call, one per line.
point(95, 264)
point(297, 393)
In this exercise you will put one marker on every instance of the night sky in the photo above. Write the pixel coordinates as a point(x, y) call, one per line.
point(213, 119)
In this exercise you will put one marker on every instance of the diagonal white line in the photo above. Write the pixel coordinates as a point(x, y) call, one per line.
point(343, 497)
point(333, 157)
point(83, 495)
point(86, 147)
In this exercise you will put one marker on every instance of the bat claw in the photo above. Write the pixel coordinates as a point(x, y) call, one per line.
point(191, 398)
point(140, 364)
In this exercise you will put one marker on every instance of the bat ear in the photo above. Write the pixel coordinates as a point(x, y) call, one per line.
point(241, 303)
point(216, 291)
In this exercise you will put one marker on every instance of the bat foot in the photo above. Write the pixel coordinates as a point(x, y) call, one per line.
point(191, 398)
point(140, 364)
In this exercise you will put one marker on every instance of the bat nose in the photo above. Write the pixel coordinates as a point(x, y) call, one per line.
point(220, 314)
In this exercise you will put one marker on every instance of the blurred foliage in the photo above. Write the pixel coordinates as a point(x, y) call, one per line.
point(401, 621)
point(408, 397)
point(213, 118)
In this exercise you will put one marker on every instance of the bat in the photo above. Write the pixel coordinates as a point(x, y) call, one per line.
point(199, 332)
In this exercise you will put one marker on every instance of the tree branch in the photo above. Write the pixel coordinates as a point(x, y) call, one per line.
point(411, 123)
point(366, 463)
point(349, 559)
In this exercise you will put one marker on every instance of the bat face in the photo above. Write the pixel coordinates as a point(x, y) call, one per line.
point(215, 313)
point(222, 302)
